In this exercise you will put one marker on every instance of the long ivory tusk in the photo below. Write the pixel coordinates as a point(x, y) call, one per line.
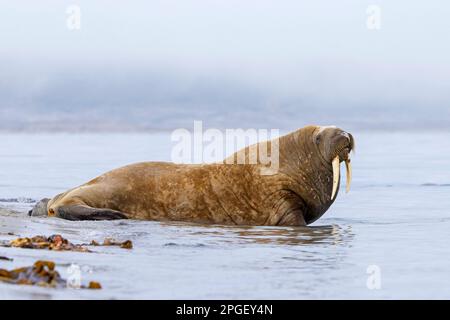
point(336, 173)
point(348, 167)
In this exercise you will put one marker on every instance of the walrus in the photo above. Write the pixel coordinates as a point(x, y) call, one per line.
point(297, 194)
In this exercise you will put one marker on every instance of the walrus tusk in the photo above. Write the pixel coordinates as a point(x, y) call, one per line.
point(336, 173)
point(348, 167)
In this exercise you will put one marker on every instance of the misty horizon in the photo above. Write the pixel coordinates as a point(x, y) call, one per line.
point(230, 64)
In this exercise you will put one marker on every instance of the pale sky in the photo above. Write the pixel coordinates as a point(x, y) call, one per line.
point(318, 51)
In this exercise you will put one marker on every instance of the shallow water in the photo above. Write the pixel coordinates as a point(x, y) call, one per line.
point(396, 217)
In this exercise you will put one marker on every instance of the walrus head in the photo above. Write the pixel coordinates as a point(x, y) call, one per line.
point(40, 208)
point(309, 167)
point(334, 146)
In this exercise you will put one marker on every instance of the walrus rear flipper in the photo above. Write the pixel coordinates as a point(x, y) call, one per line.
point(80, 212)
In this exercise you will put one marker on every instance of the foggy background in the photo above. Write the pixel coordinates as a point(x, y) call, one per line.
point(160, 65)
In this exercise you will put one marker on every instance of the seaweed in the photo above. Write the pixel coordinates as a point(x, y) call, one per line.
point(111, 242)
point(42, 274)
point(57, 243)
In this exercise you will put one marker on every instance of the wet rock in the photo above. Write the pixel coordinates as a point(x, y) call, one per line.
point(5, 258)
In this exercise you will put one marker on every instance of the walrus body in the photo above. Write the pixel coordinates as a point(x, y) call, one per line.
point(298, 193)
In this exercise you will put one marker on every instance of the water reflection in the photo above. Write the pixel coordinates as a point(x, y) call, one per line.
point(329, 235)
point(304, 236)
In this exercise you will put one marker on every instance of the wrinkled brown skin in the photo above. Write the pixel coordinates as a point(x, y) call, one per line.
point(234, 194)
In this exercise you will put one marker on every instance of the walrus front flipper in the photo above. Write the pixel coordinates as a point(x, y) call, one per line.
point(80, 212)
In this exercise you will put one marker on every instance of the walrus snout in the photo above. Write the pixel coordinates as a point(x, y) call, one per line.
point(342, 144)
point(344, 154)
point(40, 208)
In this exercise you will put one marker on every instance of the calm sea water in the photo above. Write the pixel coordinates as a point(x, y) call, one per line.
point(388, 238)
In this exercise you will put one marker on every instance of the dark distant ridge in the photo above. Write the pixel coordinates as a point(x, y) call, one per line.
point(91, 101)
point(161, 119)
